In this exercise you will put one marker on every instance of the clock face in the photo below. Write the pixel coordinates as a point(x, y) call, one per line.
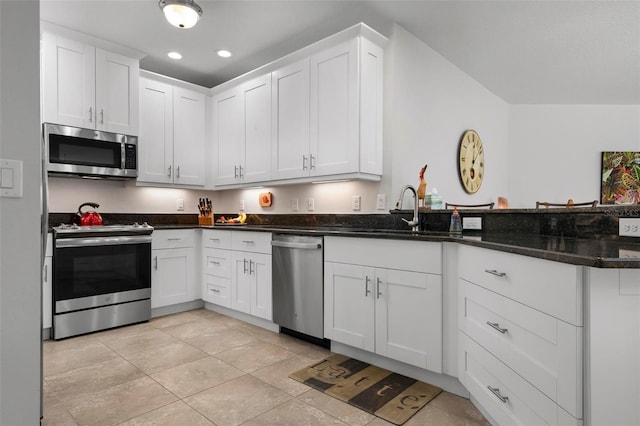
point(471, 161)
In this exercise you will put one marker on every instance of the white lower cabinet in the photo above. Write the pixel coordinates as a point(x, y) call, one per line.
point(518, 355)
point(237, 270)
point(173, 277)
point(393, 308)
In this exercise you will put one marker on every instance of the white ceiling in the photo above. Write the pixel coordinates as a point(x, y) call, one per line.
point(526, 52)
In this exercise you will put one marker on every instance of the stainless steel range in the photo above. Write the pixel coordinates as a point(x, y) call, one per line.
point(101, 277)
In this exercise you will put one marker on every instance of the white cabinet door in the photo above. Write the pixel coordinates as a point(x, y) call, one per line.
point(260, 270)
point(116, 93)
point(228, 136)
point(290, 97)
point(68, 71)
point(241, 283)
point(256, 149)
point(155, 143)
point(188, 137)
point(172, 279)
point(409, 317)
point(47, 292)
point(349, 305)
point(334, 110)
point(370, 112)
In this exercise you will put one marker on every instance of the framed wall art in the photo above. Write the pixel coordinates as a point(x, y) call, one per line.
point(620, 177)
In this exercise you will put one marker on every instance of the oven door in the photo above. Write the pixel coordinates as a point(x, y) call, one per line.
point(100, 271)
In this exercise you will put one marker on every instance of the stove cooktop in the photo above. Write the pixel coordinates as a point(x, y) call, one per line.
point(72, 229)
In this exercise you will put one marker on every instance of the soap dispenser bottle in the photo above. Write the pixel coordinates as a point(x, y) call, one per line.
point(455, 227)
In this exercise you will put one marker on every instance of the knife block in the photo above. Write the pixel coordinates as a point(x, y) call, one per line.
point(205, 220)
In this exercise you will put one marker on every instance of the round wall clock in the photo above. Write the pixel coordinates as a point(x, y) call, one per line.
point(471, 161)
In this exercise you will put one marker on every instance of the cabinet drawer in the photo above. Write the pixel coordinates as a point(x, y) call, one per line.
point(173, 238)
point(216, 262)
point(216, 239)
point(551, 287)
point(417, 256)
point(217, 290)
point(542, 349)
point(256, 242)
point(521, 402)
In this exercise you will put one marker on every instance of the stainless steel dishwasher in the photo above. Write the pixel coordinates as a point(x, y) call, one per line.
point(298, 296)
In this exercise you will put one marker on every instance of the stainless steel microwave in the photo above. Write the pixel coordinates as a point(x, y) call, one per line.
point(72, 151)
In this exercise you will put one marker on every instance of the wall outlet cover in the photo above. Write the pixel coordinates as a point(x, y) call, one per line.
point(311, 204)
point(381, 202)
point(472, 223)
point(294, 205)
point(355, 203)
point(180, 204)
point(629, 227)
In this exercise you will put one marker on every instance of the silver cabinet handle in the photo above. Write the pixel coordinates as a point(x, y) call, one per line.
point(244, 262)
point(155, 263)
point(304, 162)
point(169, 173)
point(251, 267)
point(497, 393)
point(496, 273)
point(215, 290)
point(214, 239)
point(90, 114)
point(215, 262)
point(235, 172)
point(174, 239)
point(366, 285)
point(312, 164)
point(248, 241)
point(178, 172)
point(102, 116)
point(241, 174)
point(378, 281)
point(496, 326)
point(46, 273)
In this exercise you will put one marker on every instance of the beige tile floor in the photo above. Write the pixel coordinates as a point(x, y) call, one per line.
point(202, 368)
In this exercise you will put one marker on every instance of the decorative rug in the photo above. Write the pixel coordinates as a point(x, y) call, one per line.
point(390, 396)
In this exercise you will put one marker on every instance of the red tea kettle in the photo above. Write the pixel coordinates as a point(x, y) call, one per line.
point(91, 218)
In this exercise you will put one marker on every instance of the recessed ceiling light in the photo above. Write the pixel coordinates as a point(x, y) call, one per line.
point(174, 55)
point(224, 53)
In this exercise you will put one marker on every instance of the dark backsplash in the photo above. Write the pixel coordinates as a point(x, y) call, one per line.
point(589, 223)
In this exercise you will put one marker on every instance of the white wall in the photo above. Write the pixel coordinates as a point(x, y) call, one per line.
point(555, 150)
point(429, 103)
point(20, 242)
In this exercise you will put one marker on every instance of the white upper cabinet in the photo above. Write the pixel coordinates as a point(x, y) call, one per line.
point(325, 115)
point(242, 133)
point(87, 86)
point(172, 137)
point(290, 102)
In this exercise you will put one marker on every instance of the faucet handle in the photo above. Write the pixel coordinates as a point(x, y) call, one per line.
point(410, 222)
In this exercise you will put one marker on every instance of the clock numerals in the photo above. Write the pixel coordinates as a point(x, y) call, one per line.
point(471, 161)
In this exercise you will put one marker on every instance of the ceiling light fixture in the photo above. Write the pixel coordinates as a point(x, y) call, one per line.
point(174, 55)
point(181, 13)
point(224, 53)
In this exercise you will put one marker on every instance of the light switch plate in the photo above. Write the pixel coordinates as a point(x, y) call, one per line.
point(311, 204)
point(180, 204)
point(294, 205)
point(355, 203)
point(472, 223)
point(241, 205)
point(381, 202)
point(10, 178)
point(629, 227)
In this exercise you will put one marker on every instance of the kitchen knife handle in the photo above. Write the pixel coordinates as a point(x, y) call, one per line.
point(155, 263)
point(366, 285)
point(102, 116)
point(178, 172)
point(169, 174)
point(90, 114)
point(312, 164)
point(304, 162)
point(378, 281)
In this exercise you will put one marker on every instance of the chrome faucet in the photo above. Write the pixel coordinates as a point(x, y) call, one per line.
point(413, 223)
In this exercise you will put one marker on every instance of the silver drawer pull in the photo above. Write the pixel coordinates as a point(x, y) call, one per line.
point(174, 239)
point(215, 290)
point(248, 241)
point(215, 263)
point(496, 326)
point(214, 239)
point(496, 392)
point(366, 285)
point(496, 273)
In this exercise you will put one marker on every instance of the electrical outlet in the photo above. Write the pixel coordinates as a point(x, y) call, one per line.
point(294, 205)
point(355, 203)
point(180, 204)
point(472, 223)
point(241, 205)
point(381, 202)
point(311, 204)
point(629, 227)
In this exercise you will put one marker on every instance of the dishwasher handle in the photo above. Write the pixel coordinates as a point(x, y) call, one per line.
point(294, 245)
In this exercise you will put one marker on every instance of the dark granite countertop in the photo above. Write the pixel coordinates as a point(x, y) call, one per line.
point(599, 253)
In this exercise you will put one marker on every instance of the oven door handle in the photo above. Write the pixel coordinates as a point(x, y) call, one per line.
point(102, 241)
